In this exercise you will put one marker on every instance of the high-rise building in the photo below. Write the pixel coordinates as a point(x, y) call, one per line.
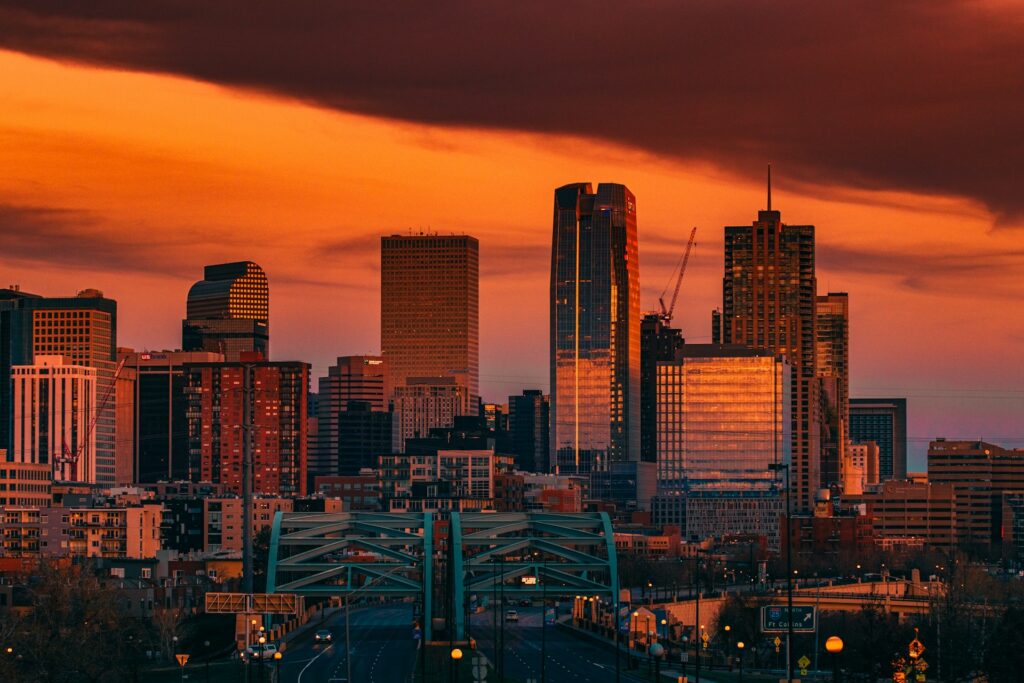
point(981, 475)
point(425, 403)
point(364, 435)
point(429, 308)
point(658, 342)
point(216, 394)
point(80, 329)
point(228, 311)
point(769, 299)
point(529, 422)
point(156, 429)
point(832, 352)
point(54, 406)
point(595, 328)
point(884, 421)
point(352, 378)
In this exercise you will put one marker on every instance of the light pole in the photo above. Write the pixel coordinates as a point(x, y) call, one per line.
point(263, 642)
point(834, 645)
point(657, 652)
point(456, 657)
point(206, 646)
point(739, 655)
point(277, 667)
point(728, 641)
point(782, 467)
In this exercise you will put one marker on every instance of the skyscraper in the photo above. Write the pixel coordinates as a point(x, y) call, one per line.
point(529, 424)
point(157, 431)
point(884, 421)
point(832, 351)
point(216, 398)
point(429, 308)
point(769, 299)
point(81, 329)
point(658, 342)
point(352, 378)
point(425, 403)
point(595, 328)
point(228, 311)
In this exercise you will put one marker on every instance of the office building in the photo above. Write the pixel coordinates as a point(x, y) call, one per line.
point(981, 474)
point(724, 416)
point(228, 311)
point(54, 408)
point(884, 421)
point(215, 397)
point(769, 299)
point(909, 515)
point(82, 330)
point(529, 420)
point(595, 328)
point(495, 416)
point(429, 308)
point(351, 378)
point(833, 368)
point(658, 342)
point(629, 486)
point(155, 428)
point(860, 468)
point(425, 403)
point(363, 436)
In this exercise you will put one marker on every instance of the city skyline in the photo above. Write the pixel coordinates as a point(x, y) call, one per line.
point(83, 205)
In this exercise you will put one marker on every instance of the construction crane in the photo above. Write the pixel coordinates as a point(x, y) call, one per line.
point(66, 455)
point(666, 313)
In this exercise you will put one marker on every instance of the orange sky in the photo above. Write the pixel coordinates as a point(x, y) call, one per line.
point(131, 182)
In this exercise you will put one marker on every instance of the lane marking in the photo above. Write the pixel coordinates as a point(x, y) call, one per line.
point(322, 653)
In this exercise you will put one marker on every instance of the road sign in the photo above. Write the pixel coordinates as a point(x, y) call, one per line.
point(803, 662)
point(182, 659)
point(803, 672)
point(773, 619)
point(259, 603)
point(777, 642)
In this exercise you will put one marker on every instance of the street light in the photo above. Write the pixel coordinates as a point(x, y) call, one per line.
point(206, 646)
point(262, 641)
point(277, 666)
point(834, 645)
point(657, 651)
point(456, 657)
point(739, 647)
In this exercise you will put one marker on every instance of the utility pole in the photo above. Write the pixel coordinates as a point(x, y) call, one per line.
point(247, 477)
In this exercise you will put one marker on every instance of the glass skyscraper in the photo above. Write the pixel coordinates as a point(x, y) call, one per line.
point(228, 311)
point(595, 328)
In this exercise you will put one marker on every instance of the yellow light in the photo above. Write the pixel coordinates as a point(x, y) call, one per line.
point(263, 640)
point(834, 645)
point(456, 654)
point(728, 628)
point(740, 645)
point(278, 655)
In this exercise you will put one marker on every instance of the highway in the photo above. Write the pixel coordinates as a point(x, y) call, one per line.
point(383, 650)
point(569, 657)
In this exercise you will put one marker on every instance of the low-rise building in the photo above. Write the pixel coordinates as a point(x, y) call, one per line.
point(25, 484)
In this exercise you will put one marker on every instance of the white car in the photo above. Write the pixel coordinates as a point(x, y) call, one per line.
point(268, 650)
point(511, 615)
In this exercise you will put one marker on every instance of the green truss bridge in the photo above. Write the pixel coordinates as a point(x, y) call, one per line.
point(443, 560)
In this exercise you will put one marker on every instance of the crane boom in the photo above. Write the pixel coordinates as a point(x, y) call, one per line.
point(666, 313)
point(66, 455)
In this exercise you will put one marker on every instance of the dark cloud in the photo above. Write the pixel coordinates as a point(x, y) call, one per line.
point(954, 271)
point(923, 95)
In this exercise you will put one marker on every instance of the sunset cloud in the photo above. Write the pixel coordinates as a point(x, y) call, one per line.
point(932, 107)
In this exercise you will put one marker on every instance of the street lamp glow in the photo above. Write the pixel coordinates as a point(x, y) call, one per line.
point(278, 655)
point(263, 640)
point(456, 654)
point(834, 645)
point(728, 628)
point(740, 645)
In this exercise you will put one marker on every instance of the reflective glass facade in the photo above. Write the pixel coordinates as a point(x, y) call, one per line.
point(724, 415)
point(595, 328)
point(228, 311)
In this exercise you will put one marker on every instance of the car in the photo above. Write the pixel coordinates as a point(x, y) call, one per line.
point(322, 636)
point(511, 615)
point(266, 651)
point(526, 602)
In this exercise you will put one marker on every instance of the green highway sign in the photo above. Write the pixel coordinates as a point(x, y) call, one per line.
point(773, 619)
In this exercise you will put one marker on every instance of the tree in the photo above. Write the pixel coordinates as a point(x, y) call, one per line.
point(1004, 656)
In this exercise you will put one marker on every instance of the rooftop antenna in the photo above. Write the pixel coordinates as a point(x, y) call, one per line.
point(769, 187)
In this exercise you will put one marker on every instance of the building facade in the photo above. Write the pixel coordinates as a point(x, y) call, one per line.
point(769, 299)
point(83, 331)
point(911, 514)
point(595, 328)
point(55, 406)
point(277, 391)
point(430, 308)
point(351, 378)
point(156, 429)
point(228, 311)
point(25, 484)
point(832, 352)
point(658, 342)
point(421, 404)
point(884, 421)
point(529, 420)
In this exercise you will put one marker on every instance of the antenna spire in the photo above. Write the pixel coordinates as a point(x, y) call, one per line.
point(769, 187)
